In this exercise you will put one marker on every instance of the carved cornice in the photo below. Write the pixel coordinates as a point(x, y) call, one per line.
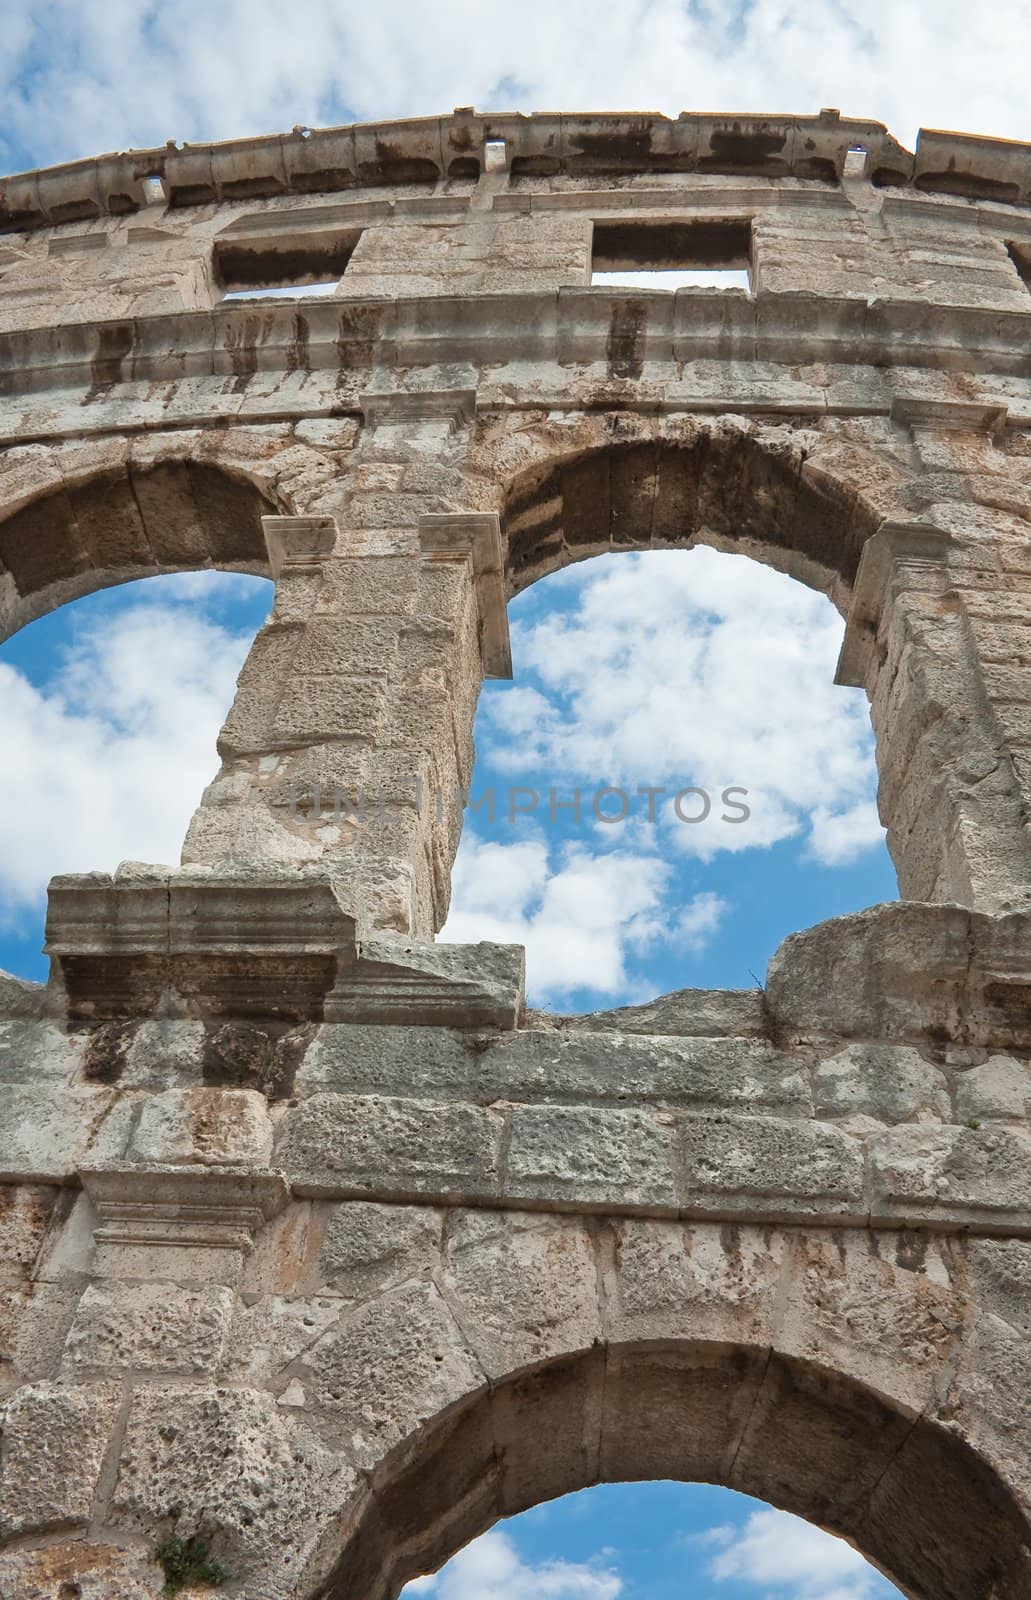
point(435, 149)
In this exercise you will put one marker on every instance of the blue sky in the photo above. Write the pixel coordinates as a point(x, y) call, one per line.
point(655, 1541)
point(661, 670)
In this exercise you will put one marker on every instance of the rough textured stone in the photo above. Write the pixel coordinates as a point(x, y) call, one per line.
point(148, 1327)
point(45, 1427)
point(378, 1370)
point(262, 1514)
point(346, 1145)
point(726, 1161)
point(522, 1287)
point(583, 1157)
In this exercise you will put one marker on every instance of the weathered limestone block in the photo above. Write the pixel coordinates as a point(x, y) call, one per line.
point(44, 1429)
point(47, 1136)
point(988, 1400)
point(148, 1327)
point(890, 1305)
point(77, 1571)
point(575, 1156)
point(218, 1127)
point(523, 1288)
point(386, 1367)
point(367, 1248)
point(263, 1514)
point(905, 972)
point(728, 1163)
point(720, 1281)
point(997, 1091)
point(974, 1176)
point(344, 1145)
point(26, 1212)
point(889, 1083)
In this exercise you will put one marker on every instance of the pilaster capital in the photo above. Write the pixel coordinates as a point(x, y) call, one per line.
point(298, 544)
point(475, 537)
point(897, 550)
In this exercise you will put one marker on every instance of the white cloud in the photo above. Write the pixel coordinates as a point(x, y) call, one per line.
point(788, 1559)
point(107, 761)
point(82, 76)
point(582, 914)
point(491, 1569)
point(705, 669)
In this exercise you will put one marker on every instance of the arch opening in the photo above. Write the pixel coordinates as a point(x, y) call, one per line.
point(671, 784)
point(112, 709)
point(112, 527)
point(908, 1492)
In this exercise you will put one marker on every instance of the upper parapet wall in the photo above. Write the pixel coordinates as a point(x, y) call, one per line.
point(327, 160)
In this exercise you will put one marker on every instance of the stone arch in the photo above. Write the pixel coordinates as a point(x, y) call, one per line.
point(909, 1492)
point(86, 516)
point(791, 497)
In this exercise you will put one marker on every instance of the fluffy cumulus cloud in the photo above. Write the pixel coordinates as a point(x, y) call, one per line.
point(581, 913)
point(107, 754)
point(81, 76)
point(666, 670)
point(780, 1557)
point(491, 1569)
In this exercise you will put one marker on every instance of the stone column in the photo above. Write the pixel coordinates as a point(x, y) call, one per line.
point(350, 740)
point(927, 637)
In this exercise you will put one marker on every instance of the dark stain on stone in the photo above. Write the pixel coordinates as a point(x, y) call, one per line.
point(612, 150)
point(241, 345)
point(316, 260)
point(911, 1251)
point(889, 178)
point(968, 185)
point(624, 348)
point(246, 1055)
point(741, 150)
point(114, 342)
point(393, 166)
point(107, 1050)
point(298, 356)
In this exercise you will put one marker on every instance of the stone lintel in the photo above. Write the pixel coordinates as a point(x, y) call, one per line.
point(475, 536)
point(298, 544)
point(895, 547)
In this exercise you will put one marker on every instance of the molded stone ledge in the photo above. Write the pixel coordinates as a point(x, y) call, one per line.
point(150, 941)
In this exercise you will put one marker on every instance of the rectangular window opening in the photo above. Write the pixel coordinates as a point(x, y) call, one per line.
point(714, 254)
point(1020, 255)
point(495, 156)
point(283, 266)
point(855, 161)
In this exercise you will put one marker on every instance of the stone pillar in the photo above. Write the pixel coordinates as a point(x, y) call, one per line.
point(952, 727)
point(350, 740)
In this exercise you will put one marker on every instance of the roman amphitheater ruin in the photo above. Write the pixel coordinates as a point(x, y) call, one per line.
point(316, 1246)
